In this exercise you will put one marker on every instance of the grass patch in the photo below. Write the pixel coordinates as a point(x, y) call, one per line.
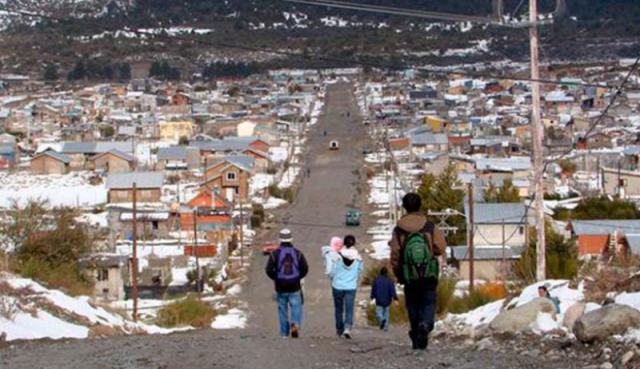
point(398, 314)
point(187, 312)
point(447, 302)
point(445, 294)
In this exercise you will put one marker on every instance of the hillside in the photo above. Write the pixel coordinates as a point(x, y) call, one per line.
point(193, 33)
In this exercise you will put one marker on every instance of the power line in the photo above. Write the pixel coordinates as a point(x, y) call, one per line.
point(339, 61)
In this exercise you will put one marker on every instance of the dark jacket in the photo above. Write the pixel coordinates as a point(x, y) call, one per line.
point(272, 271)
point(383, 290)
point(411, 223)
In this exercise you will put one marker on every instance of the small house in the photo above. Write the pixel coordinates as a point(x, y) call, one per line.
point(113, 161)
point(50, 162)
point(148, 187)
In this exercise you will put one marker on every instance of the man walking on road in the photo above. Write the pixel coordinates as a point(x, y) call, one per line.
point(415, 245)
point(287, 267)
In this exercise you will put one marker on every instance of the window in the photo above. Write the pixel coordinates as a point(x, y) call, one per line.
point(103, 274)
point(231, 176)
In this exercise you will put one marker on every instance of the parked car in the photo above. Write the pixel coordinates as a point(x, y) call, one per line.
point(334, 145)
point(269, 247)
point(352, 217)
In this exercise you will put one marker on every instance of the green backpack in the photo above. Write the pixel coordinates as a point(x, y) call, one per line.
point(418, 262)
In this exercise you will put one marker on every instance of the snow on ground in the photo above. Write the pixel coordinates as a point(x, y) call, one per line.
point(278, 154)
point(482, 315)
point(629, 299)
point(97, 220)
point(274, 202)
point(289, 177)
point(259, 182)
point(71, 189)
point(233, 319)
point(545, 323)
point(39, 312)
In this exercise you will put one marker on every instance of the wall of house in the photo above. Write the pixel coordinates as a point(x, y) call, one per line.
point(47, 165)
point(491, 234)
point(113, 163)
point(126, 195)
point(592, 244)
point(260, 146)
point(111, 289)
point(630, 182)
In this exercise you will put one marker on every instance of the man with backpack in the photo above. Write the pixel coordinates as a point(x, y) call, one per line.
point(287, 267)
point(415, 246)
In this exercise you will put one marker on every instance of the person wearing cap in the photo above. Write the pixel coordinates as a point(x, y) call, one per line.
point(345, 273)
point(287, 267)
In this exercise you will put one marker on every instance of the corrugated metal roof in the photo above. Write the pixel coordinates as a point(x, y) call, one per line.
point(95, 147)
point(141, 179)
point(429, 139)
point(485, 252)
point(498, 213)
point(60, 157)
point(605, 227)
point(172, 153)
point(634, 243)
point(244, 162)
point(509, 164)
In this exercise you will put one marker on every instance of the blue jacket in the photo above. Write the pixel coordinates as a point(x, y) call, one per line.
point(345, 277)
point(383, 291)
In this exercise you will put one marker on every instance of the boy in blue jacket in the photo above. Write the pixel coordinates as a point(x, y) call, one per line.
point(383, 291)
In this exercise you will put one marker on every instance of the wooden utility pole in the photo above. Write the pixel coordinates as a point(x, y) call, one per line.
point(241, 232)
point(537, 135)
point(134, 260)
point(470, 231)
point(195, 247)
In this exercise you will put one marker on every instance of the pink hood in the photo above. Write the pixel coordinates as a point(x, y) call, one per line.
point(336, 244)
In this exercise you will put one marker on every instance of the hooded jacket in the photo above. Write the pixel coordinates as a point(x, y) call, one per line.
point(345, 273)
point(272, 271)
point(411, 223)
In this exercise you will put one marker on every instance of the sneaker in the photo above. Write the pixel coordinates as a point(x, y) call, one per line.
point(383, 324)
point(294, 331)
point(284, 337)
point(347, 334)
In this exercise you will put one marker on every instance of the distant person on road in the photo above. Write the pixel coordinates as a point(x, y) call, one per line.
point(287, 267)
point(383, 291)
point(345, 273)
point(331, 254)
point(415, 245)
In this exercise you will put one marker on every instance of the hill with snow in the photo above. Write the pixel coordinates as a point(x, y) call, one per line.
point(29, 311)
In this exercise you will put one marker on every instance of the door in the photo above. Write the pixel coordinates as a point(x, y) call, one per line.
point(229, 193)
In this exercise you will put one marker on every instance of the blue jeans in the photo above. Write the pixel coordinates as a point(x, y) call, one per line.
point(421, 308)
point(343, 303)
point(293, 299)
point(383, 315)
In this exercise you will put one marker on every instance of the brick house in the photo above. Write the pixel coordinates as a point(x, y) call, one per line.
point(229, 177)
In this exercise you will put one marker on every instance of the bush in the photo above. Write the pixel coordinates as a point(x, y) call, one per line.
point(275, 191)
point(65, 276)
point(480, 296)
point(187, 312)
point(256, 221)
point(289, 195)
point(445, 293)
point(373, 270)
point(398, 313)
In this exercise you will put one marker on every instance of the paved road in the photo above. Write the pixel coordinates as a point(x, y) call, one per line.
point(318, 212)
point(321, 201)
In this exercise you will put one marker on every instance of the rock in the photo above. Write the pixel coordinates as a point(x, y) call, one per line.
point(519, 319)
point(606, 365)
point(626, 357)
point(484, 344)
point(573, 313)
point(611, 319)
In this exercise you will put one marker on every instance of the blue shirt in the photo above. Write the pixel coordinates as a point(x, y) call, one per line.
point(383, 291)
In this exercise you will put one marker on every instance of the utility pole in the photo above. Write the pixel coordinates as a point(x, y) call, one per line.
point(241, 232)
point(537, 135)
point(195, 247)
point(470, 231)
point(504, 259)
point(134, 260)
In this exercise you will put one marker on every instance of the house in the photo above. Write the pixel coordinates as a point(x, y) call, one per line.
point(82, 153)
point(620, 182)
point(434, 162)
point(598, 140)
point(512, 167)
point(500, 224)
point(490, 263)
point(229, 177)
point(178, 158)
point(229, 145)
point(50, 162)
point(437, 124)
point(213, 214)
point(246, 129)
point(113, 161)
point(9, 153)
point(424, 142)
point(261, 159)
point(602, 236)
point(109, 272)
point(174, 130)
point(148, 187)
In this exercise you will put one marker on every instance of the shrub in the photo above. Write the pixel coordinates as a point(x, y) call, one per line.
point(373, 270)
point(289, 195)
point(275, 191)
point(65, 276)
point(480, 296)
point(256, 221)
point(445, 293)
point(398, 313)
point(187, 312)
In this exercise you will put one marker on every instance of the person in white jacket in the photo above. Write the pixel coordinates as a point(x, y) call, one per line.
point(345, 273)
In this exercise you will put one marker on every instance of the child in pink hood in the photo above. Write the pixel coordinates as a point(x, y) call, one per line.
point(331, 253)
